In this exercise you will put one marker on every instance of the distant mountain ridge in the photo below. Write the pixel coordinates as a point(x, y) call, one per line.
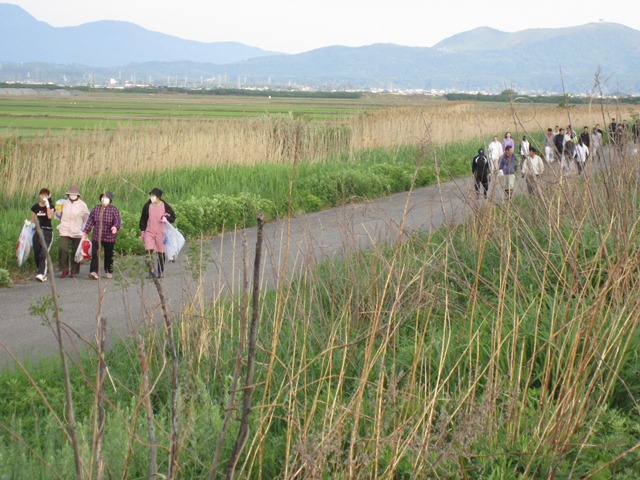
point(105, 43)
point(483, 59)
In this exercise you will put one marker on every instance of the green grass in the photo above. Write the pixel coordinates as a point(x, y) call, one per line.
point(30, 116)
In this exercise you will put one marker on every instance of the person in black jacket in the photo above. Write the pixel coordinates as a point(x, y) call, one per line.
point(480, 171)
point(154, 215)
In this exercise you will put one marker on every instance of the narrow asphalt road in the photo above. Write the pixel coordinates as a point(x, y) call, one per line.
point(129, 302)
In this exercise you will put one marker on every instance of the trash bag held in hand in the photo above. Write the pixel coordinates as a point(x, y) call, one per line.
point(84, 250)
point(25, 241)
point(173, 242)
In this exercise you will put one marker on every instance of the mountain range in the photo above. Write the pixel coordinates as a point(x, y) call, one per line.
point(484, 59)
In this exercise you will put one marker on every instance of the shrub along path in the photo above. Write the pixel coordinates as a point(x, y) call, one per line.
point(130, 302)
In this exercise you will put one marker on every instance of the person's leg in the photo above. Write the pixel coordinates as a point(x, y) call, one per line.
point(108, 256)
point(75, 266)
point(94, 266)
point(161, 261)
point(37, 253)
point(63, 255)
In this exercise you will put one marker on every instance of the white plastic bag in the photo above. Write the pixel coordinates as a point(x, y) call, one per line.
point(84, 250)
point(173, 242)
point(25, 242)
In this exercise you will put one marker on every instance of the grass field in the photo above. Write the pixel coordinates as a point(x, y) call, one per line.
point(55, 114)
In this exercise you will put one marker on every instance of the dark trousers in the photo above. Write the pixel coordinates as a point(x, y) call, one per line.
point(159, 261)
point(484, 181)
point(96, 247)
point(40, 253)
point(63, 254)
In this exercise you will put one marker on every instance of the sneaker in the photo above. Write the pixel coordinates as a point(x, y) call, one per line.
point(72, 274)
point(41, 278)
point(108, 275)
point(64, 274)
point(93, 275)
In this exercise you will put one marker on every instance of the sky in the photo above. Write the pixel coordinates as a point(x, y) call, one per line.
point(294, 26)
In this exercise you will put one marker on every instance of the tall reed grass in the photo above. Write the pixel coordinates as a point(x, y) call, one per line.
point(56, 161)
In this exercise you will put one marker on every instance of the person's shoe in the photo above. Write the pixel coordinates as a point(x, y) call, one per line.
point(93, 275)
point(72, 274)
point(108, 275)
point(41, 278)
point(64, 274)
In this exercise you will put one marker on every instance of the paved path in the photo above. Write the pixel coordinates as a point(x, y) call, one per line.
point(130, 302)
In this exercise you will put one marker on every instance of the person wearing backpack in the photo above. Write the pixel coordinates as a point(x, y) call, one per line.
point(480, 171)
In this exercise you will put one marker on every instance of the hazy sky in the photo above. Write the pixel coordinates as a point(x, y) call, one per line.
point(294, 26)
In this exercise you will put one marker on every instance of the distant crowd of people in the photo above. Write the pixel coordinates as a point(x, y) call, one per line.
point(566, 146)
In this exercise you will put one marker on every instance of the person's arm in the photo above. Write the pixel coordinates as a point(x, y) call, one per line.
point(50, 208)
point(90, 223)
point(117, 221)
point(144, 216)
point(170, 214)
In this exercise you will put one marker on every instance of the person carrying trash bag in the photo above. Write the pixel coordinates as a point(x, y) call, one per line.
point(73, 216)
point(105, 222)
point(42, 212)
point(154, 215)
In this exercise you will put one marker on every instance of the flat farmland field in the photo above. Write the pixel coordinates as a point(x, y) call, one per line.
point(24, 116)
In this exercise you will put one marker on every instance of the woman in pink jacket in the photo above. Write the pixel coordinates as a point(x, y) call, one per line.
point(73, 216)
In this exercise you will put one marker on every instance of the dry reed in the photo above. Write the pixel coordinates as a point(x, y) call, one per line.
point(56, 160)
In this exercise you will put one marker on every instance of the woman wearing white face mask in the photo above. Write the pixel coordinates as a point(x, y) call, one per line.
point(105, 221)
point(154, 213)
point(73, 216)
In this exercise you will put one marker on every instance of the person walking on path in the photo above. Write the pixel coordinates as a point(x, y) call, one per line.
point(105, 222)
point(73, 216)
point(532, 170)
point(42, 212)
point(480, 171)
point(549, 145)
point(154, 215)
point(495, 154)
point(596, 143)
point(508, 142)
point(508, 166)
point(581, 155)
point(524, 148)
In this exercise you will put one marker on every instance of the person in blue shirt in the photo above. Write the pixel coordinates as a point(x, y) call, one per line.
point(509, 167)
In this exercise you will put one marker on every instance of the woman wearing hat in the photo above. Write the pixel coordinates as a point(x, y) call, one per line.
point(154, 213)
point(104, 219)
point(73, 216)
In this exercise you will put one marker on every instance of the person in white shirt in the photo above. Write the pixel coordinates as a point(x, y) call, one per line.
point(532, 170)
point(524, 148)
point(549, 145)
point(582, 153)
point(495, 154)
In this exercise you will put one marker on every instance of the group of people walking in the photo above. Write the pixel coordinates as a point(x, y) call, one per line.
point(103, 223)
point(566, 146)
point(502, 163)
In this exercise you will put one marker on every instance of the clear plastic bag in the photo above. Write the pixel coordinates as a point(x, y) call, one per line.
point(84, 250)
point(173, 242)
point(25, 242)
